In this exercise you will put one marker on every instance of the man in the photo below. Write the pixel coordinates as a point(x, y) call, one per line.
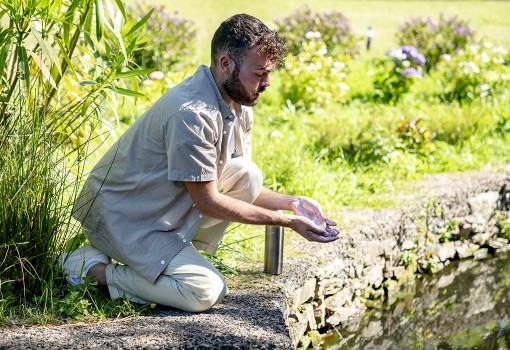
point(177, 178)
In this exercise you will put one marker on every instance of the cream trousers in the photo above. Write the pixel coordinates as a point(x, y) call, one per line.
point(190, 282)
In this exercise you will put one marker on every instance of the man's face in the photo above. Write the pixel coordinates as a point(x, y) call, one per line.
point(246, 82)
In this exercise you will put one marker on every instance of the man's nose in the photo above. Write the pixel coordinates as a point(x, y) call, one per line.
point(265, 81)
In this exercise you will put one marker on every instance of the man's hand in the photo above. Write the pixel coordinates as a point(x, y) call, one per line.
point(312, 210)
point(309, 230)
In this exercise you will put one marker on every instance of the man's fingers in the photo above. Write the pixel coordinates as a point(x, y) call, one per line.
point(330, 231)
point(326, 231)
point(321, 239)
point(330, 222)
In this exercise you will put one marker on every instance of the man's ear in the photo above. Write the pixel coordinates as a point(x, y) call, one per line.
point(226, 64)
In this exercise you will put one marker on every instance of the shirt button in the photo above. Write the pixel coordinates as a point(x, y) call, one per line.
point(221, 162)
point(224, 132)
point(162, 262)
point(184, 241)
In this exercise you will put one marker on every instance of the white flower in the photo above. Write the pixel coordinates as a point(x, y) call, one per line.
point(396, 54)
point(156, 75)
point(474, 67)
point(343, 86)
point(276, 134)
point(485, 58)
point(313, 35)
point(474, 49)
point(323, 51)
point(446, 57)
point(470, 67)
point(339, 65)
point(500, 49)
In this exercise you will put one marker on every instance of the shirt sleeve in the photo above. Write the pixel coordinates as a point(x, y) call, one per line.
point(191, 138)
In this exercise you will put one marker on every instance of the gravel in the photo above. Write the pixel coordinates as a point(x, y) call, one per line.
point(246, 319)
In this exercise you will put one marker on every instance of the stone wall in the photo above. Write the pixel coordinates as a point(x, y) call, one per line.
point(452, 309)
point(446, 218)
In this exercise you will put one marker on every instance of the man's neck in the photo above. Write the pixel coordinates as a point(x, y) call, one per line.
point(219, 83)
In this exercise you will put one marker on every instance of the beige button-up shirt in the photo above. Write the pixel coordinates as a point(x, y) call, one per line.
point(134, 206)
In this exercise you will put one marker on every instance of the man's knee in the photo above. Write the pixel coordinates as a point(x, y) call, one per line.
point(202, 298)
point(242, 178)
point(252, 174)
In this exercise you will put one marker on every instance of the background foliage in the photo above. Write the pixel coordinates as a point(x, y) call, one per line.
point(446, 37)
point(171, 38)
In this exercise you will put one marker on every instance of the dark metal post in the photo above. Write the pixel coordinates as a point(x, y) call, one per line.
point(370, 36)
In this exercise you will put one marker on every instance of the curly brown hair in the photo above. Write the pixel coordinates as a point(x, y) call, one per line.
point(240, 33)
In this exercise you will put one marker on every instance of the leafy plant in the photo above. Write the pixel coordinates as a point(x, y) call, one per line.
point(447, 36)
point(408, 258)
point(504, 226)
point(169, 40)
point(476, 73)
point(43, 152)
point(86, 302)
point(415, 137)
point(334, 29)
point(396, 73)
point(313, 79)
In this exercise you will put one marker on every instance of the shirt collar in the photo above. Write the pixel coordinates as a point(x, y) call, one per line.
point(225, 110)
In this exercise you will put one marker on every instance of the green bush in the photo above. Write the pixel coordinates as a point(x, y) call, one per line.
point(433, 40)
point(396, 73)
point(355, 135)
point(170, 40)
point(334, 29)
point(313, 79)
point(476, 73)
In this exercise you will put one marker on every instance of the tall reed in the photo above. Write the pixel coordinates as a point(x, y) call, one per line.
point(60, 62)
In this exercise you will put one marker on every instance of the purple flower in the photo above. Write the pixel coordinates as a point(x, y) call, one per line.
point(412, 52)
point(462, 30)
point(411, 73)
point(419, 59)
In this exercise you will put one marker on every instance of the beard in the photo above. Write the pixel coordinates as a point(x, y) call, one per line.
point(237, 92)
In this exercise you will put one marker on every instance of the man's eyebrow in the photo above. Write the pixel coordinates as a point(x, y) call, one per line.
point(265, 69)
